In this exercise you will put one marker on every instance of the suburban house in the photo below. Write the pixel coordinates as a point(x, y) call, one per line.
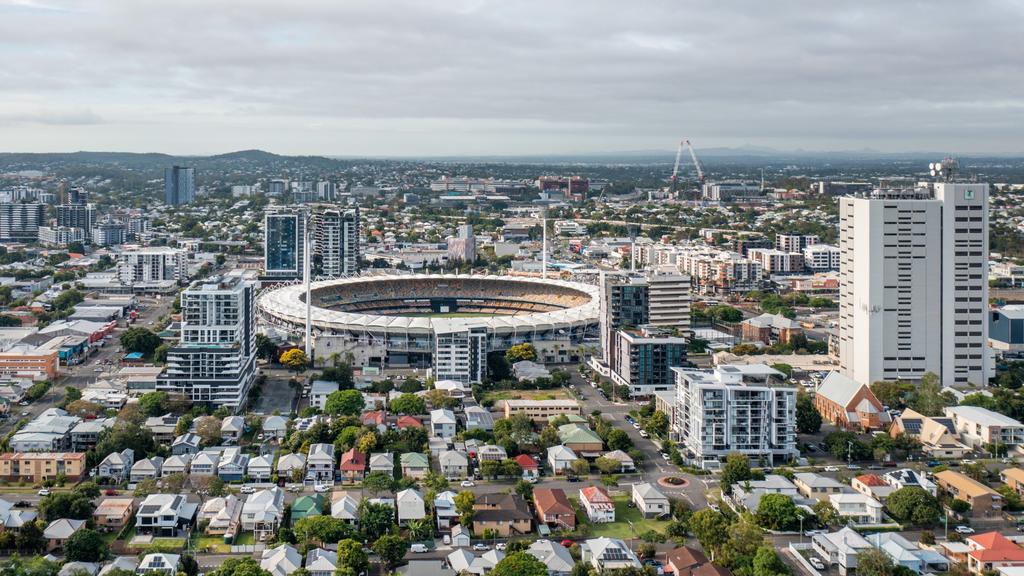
point(905, 478)
point(461, 538)
point(353, 465)
point(984, 501)
point(232, 465)
point(288, 464)
point(260, 468)
point(608, 554)
point(531, 470)
point(908, 554)
point(221, 514)
point(262, 512)
point(375, 418)
point(857, 508)
point(1014, 478)
point(319, 391)
point(205, 463)
point(580, 438)
point(321, 562)
point(991, 551)
point(840, 548)
point(452, 388)
point(937, 436)
point(872, 486)
point(116, 465)
point(307, 505)
point(320, 464)
point(415, 465)
point(650, 501)
point(770, 329)
point(598, 504)
point(275, 426)
point(686, 561)
point(849, 405)
point(232, 428)
point(384, 463)
point(491, 452)
point(405, 421)
point(345, 507)
point(159, 563)
point(465, 562)
point(162, 427)
point(112, 514)
point(409, 505)
point(444, 510)
point(442, 423)
point(179, 464)
point(187, 443)
point(506, 514)
point(479, 418)
point(147, 469)
point(554, 509)
point(165, 515)
point(555, 557)
point(454, 465)
point(626, 463)
point(560, 459)
point(816, 486)
point(58, 531)
point(283, 560)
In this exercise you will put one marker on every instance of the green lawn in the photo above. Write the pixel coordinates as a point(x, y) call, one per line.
point(623, 516)
point(213, 543)
point(495, 395)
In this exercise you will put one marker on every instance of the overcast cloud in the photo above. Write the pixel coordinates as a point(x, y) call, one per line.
point(430, 77)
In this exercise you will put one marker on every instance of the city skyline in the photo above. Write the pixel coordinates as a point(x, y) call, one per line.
point(479, 78)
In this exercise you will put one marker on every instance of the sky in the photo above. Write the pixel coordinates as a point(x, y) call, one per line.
point(508, 77)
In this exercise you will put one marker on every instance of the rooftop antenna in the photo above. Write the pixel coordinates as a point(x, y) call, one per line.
point(944, 170)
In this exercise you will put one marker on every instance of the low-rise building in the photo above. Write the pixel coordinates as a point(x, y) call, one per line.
point(991, 551)
point(454, 465)
point(650, 501)
point(540, 410)
point(608, 554)
point(505, 514)
point(984, 501)
point(937, 436)
point(872, 486)
point(554, 509)
point(112, 514)
point(560, 459)
point(906, 478)
point(849, 405)
point(816, 486)
point(840, 548)
point(979, 427)
point(38, 467)
point(165, 515)
point(857, 508)
point(598, 505)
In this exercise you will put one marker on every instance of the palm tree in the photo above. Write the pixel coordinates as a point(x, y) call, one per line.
point(419, 529)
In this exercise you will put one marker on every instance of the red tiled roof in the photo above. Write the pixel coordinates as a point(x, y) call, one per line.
point(552, 501)
point(375, 417)
point(353, 461)
point(995, 547)
point(408, 422)
point(596, 494)
point(526, 462)
point(871, 480)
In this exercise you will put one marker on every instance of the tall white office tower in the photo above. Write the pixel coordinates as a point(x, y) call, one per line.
point(336, 235)
point(913, 284)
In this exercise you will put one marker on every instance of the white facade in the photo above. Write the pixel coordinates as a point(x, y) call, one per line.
point(913, 284)
point(151, 265)
point(570, 227)
point(821, 257)
point(460, 353)
point(336, 241)
point(669, 298)
point(744, 409)
point(777, 261)
point(60, 235)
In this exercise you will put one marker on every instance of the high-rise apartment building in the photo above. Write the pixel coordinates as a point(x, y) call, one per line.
point(336, 241)
point(646, 356)
point(914, 284)
point(462, 247)
point(214, 362)
point(284, 245)
point(20, 222)
point(152, 266)
point(179, 185)
point(744, 408)
point(669, 299)
point(80, 216)
point(326, 191)
point(794, 242)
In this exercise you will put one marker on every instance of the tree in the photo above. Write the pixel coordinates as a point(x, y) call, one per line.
point(74, 505)
point(710, 528)
point(391, 548)
point(30, 537)
point(376, 482)
point(744, 540)
point(375, 519)
point(914, 505)
point(208, 429)
point(842, 445)
point(786, 369)
point(619, 440)
point(187, 565)
point(777, 512)
point(295, 359)
point(874, 562)
point(322, 529)
point(960, 506)
point(736, 469)
point(520, 352)
point(67, 300)
point(85, 545)
point(657, 423)
point(608, 465)
point(891, 394)
point(825, 512)
point(344, 402)
point(580, 467)
point(524, 489)
point(926, 398)
point(519, 564)
point(768, 563)
point(245, 566)
point(350, 553)
point(408, 404)
point(153, 403)
point(265, 348)
point(808, 420)
point(141, 340)
point(160, 354)
point(464, 502)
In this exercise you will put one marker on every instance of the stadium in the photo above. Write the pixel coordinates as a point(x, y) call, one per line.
point(447, 323)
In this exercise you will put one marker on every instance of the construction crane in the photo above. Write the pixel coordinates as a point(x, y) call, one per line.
point(685, 144)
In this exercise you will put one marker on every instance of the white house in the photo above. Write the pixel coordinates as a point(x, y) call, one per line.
point(289, 463)
point(555, 557)
point(442, 423)
point(650, 501)
point(598, 504)
point(221, 514)
point(410, 505)
point(281, 561)
point(260, 468)
point(147, 468)
point(560, 458)
point(905, 478)
point(178, 464)
point(345, 508)
point(116, 465)
point(608, 554)
point(205, 463)
point(319, 391)
point(262, 512)
point(857, 508)
point(164, 514)
point(454, 465)
point(444, 509)
point(232, 428)
point(159, 563)
point(840, 548)
point(275, 426)
point(383, 462)
point(321, 562)
point(626, 463)
point(460, 536)
point(320, 464)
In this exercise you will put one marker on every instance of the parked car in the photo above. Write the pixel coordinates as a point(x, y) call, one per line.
point(321, 488)
point(852, 467)
point(418, 548)
point(43, 492)
point(664, 456)
point(964, 529)
point(644, 434)
point(447, 539)
point(499, 546)
point(247, 490)
point(817, 563)
point(933, 463)
point(480, 546)
point(467, 484)
point(567, 543)
point(831, 468)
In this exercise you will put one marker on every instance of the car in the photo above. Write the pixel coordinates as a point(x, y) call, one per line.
point(23, 403)
point(467, 484)
point(1007, 461)
point(247, 490)
point(714, 507)
point(961, 529)
point(572, 478)
point(815, 532)
point(933, 463)
point(831, 468)
point(567, 543)
point(23, 414)
point(43, 492)
point(636, 425)
point(499, 546)
point(294, 487)
point(321, 488)
point(818, 564)
point(480, 546)
point(665, 456)
point(970, 462)
point(418, 548)
point(98, 369)
point(852, 467)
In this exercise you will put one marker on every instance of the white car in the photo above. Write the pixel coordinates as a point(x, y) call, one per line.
point(969, 462)
point(43, 492)
point(818, 564)
point(321, 488)
point(831, 469)
point(636, 425)
point(247, 490)
point(499, 546)
point(467, 484)
point(665, 456)
point(480, 546)
point(714, 507)
point(644, 434)
point(964, 530)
